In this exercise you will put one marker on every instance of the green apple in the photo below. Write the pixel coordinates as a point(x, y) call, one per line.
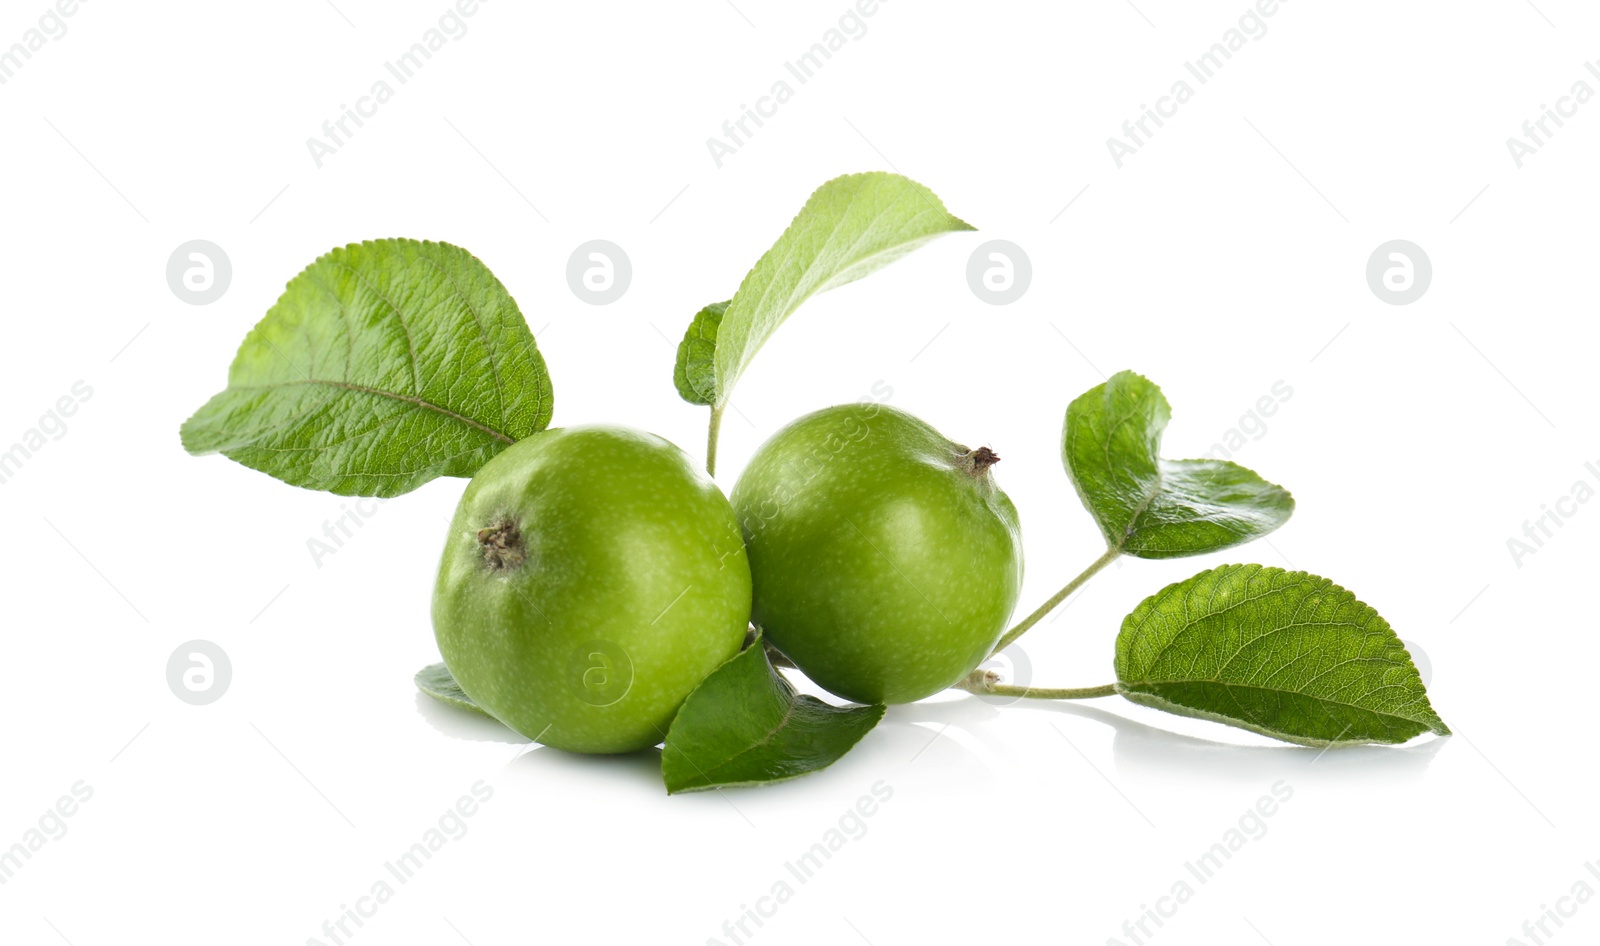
point(886, 561)
point(592, 578)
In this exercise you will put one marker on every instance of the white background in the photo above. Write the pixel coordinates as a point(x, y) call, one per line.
point(1227, 255)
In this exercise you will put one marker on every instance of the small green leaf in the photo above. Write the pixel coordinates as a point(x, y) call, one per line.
point(1154, 508)
point(850, 227)
point(695, 373)
point(436, 681)
point(1284, 654)
point(745, 725)
point(383, 365)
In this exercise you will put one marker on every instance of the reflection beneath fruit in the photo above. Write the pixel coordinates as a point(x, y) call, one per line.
point(933, 731)
point(539, 764)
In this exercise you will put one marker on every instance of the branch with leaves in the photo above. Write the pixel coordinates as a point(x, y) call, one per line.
point(1282, 653)
point(388, 363)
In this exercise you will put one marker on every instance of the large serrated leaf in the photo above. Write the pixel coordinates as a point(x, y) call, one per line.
point(851, 226)
point(1284, 654)
point(383, 365)
point(745, 725)
point(1150, 507)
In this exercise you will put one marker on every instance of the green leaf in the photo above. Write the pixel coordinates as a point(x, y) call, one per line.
point(695, 373)
point(1284, 654)
point(436, 681)
point(1154, 508)
point(383, 365)
point(745, 725)
point(850, 227)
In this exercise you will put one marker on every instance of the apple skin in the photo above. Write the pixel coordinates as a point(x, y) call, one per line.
point(591, 579)
point(886, 561)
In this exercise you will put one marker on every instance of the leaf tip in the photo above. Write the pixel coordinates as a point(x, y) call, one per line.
point(190, 438)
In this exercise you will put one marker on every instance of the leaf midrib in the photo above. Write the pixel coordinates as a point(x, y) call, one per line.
point(790, 301)
point(1265, 689)
point(788, 715)
point(1105, 452)
point(363, 389)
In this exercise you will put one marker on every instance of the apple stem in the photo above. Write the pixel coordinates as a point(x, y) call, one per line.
point(1055, 599)
point(711, 439)
point(987, 683)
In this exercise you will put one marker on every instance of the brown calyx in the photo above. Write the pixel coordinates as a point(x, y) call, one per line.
point(502, 545)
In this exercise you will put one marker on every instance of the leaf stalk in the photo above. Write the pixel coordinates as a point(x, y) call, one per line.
point(1022, 626)
point(987, 683)
point(712, 433)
